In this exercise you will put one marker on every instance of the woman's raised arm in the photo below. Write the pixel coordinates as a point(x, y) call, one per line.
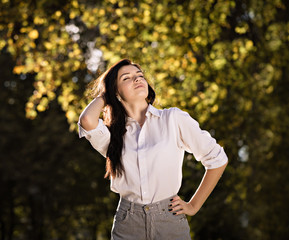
point(90, 115)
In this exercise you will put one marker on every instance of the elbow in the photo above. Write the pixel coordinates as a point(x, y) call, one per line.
point(224, 165)
point(227, 160)
point(223, 159)
point(83, 118)
point(87, 123)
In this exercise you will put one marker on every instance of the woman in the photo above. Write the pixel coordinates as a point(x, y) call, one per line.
point(144, 149)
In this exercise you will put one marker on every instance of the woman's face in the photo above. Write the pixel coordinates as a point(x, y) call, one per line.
point(131, 84)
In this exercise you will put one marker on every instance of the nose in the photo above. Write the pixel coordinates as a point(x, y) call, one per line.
point(136, 79)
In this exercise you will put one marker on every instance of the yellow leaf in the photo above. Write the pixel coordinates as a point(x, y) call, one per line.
point(91, 19)
point(39, 20)
point(70, 114)
point(29, 105)
point(214, 108)
point(77, 52)
point(198, 39)
point(18, 69)
point(249, 44)
point(118, 12)
point(101, 12)
point(114, 27)
point(120, 3)
point(171, 91)
point(240, 30)
point(33, 34)
point(40, 108)
point(26, 48)
point(48, 45)
point(51, 95)
point(72, 15)
point(57, 14)
point(51, 28)
point(75, 4)
point(61, 41)
point(183, 103)
point(49, 76)
point(194, 60)
point(31, 114)
point(32, 45)
point(194, 100)
point(219, 63)
point(23, 30)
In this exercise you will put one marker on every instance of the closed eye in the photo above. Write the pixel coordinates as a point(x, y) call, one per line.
point(129, 78)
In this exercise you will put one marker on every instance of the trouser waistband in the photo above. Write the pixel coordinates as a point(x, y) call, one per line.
point(151, 207)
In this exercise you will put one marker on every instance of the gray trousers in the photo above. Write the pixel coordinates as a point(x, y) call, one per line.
point(134, 221)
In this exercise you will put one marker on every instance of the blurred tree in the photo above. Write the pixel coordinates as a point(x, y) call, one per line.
point(51, 184)
point(225, 62)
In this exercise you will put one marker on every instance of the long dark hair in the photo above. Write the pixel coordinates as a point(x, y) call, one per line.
point(114, 115)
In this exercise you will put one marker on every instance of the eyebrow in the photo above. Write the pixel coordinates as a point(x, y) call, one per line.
point(139, 71)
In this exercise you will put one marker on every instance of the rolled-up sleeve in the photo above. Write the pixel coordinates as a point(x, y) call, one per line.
point(198, 142)
point(99, 137)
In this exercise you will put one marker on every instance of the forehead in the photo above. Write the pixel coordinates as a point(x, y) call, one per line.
point(127, 69)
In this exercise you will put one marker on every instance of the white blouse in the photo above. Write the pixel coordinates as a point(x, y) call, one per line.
point(153, 154)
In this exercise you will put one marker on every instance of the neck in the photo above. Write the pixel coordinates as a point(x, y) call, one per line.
point(136, 111)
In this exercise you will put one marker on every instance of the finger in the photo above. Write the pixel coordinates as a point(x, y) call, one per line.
point(174, 203)
point(181, 205)
point(179, 212)
point(175, 198)
point(176, 208)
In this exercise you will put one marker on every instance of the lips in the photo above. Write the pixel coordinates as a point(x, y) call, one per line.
point(139, 86)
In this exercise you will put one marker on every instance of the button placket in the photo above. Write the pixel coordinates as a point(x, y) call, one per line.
point(142, 164)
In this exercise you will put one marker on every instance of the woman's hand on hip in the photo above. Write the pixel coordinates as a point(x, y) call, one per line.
point(178, 206)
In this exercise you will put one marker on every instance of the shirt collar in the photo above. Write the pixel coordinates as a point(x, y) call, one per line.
point(153, 111)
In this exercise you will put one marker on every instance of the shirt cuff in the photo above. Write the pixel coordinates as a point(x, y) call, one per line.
point(99, 130)
point(217, 161)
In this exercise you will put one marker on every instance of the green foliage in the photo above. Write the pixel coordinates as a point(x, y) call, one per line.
point(225, 62)
point(51, 183)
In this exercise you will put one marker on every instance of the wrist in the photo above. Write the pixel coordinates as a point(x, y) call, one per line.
point(192, 210)
point(195, 205)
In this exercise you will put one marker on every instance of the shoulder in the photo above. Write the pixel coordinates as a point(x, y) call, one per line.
point(172, 112)
point(180, 117)
point(175, 112)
